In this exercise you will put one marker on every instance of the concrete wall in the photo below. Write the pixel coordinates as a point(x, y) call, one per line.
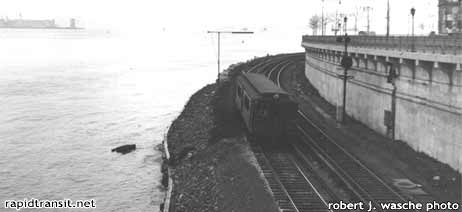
point(428, 100)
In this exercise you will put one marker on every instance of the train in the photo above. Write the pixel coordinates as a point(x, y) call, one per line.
point(266, 109)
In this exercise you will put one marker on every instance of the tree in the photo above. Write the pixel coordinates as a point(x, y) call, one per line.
point(315, 23)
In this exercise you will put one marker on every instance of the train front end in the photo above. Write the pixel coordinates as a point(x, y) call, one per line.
point(274, 116)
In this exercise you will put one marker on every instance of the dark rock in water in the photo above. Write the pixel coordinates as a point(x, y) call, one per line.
point(125, 148)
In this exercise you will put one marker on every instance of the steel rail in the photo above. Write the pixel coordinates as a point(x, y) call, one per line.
point(274, 72)
point(277, 185)
point(357, 176)
point(283, 170)
point(267, 67)
point(360, 189)
point(271, 60)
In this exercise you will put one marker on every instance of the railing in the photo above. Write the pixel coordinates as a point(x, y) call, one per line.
point(427, 44)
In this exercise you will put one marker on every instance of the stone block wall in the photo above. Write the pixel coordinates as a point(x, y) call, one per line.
point(428, 97)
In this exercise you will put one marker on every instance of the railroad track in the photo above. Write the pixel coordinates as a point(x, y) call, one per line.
point(267, 65)
point(292, 189)
point(362, 181)
point(365, 185)
point(274, 73)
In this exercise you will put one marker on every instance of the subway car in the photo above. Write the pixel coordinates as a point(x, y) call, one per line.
point(266, 109)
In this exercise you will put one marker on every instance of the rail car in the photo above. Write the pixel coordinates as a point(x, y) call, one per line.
point(266, 109)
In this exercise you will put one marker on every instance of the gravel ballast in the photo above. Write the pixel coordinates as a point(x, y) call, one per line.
point(212, 166)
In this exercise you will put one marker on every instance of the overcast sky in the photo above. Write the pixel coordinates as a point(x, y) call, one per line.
point(151, 15)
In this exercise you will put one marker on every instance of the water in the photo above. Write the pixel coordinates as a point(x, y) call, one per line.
point(68, 97)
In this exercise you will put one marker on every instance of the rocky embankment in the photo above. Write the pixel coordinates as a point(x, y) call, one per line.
point(212, 167)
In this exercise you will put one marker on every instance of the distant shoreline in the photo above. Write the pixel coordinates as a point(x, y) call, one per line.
point(41, 28)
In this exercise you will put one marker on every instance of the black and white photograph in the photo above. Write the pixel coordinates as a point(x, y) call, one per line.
point(230, 106)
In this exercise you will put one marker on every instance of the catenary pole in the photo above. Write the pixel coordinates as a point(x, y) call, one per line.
point(388, 18)
point(219, 43)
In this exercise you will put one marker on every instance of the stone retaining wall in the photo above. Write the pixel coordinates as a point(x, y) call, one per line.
point(428, 103)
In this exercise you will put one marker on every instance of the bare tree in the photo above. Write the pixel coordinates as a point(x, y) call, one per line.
point(315, 23)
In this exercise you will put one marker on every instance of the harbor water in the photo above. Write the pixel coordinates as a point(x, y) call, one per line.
point(67, 97)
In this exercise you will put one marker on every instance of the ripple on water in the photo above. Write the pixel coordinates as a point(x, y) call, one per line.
point(61, 119)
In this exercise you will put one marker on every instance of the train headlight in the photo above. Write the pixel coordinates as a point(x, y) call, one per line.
point(276, 96)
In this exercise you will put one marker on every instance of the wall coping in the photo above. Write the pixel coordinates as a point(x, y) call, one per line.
point(456, 59)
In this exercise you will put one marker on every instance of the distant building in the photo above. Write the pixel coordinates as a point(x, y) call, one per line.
point(72, 23)
point(25, 23)
point(449, 16)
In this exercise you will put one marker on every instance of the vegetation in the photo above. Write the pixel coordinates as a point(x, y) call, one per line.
point(315, 24)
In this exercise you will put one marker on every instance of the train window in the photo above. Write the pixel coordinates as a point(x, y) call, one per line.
point(239, 91)
point(246, 102)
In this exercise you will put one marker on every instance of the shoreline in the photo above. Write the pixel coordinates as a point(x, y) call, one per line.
point(210, 165)
point(207, 139)
point(166, 181)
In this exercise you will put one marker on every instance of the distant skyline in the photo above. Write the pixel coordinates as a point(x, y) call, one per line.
point(183, 15)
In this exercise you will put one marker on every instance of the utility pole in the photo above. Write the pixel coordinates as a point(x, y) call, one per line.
point(368, 21)
point(459, 17)
point(345, 73)
point(219, 43)
point(346, 63)
point(393, 74)
point(388, 18)
point(413, 37)
point(337, 23)
point(356, 21)
point(322, 18)
point(368, 8)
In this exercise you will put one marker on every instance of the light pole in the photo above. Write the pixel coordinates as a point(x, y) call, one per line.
point(346, 63)
point(388, 19)
point(356, 20)
point(337, 23)
point(345, 26)
point(413, 37)
point(393, 74)
point(368, 9)
point(368, 22)
point(322, 18)
point(459, 18)
point(218, 36)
